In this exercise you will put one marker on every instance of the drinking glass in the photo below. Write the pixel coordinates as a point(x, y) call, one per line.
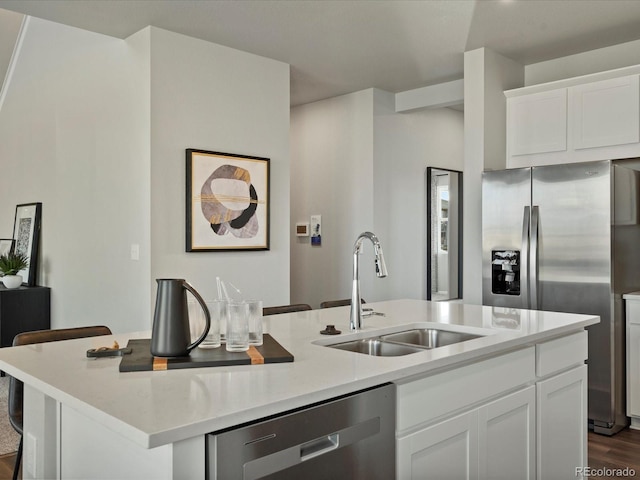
point(218, 314)
point(255, 322)
point(237, 326)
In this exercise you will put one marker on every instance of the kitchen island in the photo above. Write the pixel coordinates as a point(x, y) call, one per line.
point(85, 419)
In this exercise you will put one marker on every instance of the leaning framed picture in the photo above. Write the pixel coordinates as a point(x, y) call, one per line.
point(227, 202)
point(26, 232)
point(6, 246)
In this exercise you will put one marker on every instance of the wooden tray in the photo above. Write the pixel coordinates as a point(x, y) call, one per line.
point(141, 359)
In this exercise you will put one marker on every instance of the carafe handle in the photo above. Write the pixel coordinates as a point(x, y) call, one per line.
point(207, 316)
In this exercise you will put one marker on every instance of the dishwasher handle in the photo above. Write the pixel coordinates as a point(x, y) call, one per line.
point(279, 461)
point(319, 446)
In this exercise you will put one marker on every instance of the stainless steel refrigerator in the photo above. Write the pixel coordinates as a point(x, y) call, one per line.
point(566, 238)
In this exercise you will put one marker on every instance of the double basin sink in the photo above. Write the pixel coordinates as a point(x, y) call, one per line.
point(405, 342)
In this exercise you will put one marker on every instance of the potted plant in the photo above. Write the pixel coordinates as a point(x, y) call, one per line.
point(10, 266)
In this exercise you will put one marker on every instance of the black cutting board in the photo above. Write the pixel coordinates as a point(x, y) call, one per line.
point(140, 358)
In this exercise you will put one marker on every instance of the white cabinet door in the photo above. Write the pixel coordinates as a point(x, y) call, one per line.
point(605, 113)
point(633, 369)
point(561, 412)
point(537, 123)
point(494, 441)
point(447, 450)
point(507, 434)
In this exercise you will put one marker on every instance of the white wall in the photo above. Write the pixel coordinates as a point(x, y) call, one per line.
point(211, 97)
point(11, 24)
point(405, 144)
point(69, 138)
point(600, 60)
point(96, 129)
point(331, 175)
point(486, 75)
point(362, 166)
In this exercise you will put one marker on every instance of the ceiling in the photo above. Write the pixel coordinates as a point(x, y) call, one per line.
point(338, 47)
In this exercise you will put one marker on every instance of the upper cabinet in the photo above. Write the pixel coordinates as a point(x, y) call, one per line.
point(605, 113)
point(595, 120)
point(537, 123)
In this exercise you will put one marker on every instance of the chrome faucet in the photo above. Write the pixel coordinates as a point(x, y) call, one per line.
point(355, 321)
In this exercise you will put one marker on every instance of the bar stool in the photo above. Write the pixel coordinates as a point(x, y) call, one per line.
point(16, 387)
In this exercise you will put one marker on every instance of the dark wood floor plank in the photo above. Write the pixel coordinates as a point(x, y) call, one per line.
point(620, 451)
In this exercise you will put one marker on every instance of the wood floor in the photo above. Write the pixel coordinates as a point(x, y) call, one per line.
point(6, 466)
point(618, 452)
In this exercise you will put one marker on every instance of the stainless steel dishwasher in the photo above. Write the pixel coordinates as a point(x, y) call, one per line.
point(350, 437)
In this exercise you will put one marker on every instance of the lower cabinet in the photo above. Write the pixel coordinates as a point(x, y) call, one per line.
point(632, 307)
point(633, 368)
point(493, 441)
point(521, 415)
point(562, 427)
point(507, 437)
point(23, 309)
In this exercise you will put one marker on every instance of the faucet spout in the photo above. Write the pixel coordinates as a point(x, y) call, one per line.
point(355, 319)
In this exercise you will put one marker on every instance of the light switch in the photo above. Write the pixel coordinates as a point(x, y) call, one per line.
point(135, 251)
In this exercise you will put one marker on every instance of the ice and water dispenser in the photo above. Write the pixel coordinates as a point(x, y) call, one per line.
point(505, 272)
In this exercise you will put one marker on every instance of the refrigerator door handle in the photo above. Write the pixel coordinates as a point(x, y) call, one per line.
point(533, 257)
point(524, 259)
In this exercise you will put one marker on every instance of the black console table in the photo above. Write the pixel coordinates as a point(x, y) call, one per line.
point(23, 309)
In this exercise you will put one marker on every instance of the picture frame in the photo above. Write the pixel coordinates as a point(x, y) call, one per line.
point(26, 233)
point(6, 246)
point(227, 201)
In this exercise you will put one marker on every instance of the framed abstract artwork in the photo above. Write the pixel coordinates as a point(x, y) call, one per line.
point(227, 204)
point(6, 246)
point(26, 232)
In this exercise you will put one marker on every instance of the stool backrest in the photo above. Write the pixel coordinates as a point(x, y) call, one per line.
point(298, 307)
point(16, 387)
point(338, 303)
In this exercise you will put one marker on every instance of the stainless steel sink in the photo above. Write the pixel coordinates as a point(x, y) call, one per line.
point(429, 337)
point(376, 347)
point(405, 342)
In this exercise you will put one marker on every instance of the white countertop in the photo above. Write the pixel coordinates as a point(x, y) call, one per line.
point(631, 296)
point(156, 408)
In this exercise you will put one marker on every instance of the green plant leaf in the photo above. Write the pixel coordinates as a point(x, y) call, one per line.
point(12, 263)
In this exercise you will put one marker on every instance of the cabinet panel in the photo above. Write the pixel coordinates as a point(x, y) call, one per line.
point(561, 353)
point(507, 436)
point(22, 310)
point(633, 370)
point(633, 311)
point(447, 450)
point(494, 441)
point(605, 113)
point(537, 123)
point(561, 412)
point(426, 399)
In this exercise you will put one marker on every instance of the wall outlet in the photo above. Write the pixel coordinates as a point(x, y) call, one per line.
point(135, 251)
